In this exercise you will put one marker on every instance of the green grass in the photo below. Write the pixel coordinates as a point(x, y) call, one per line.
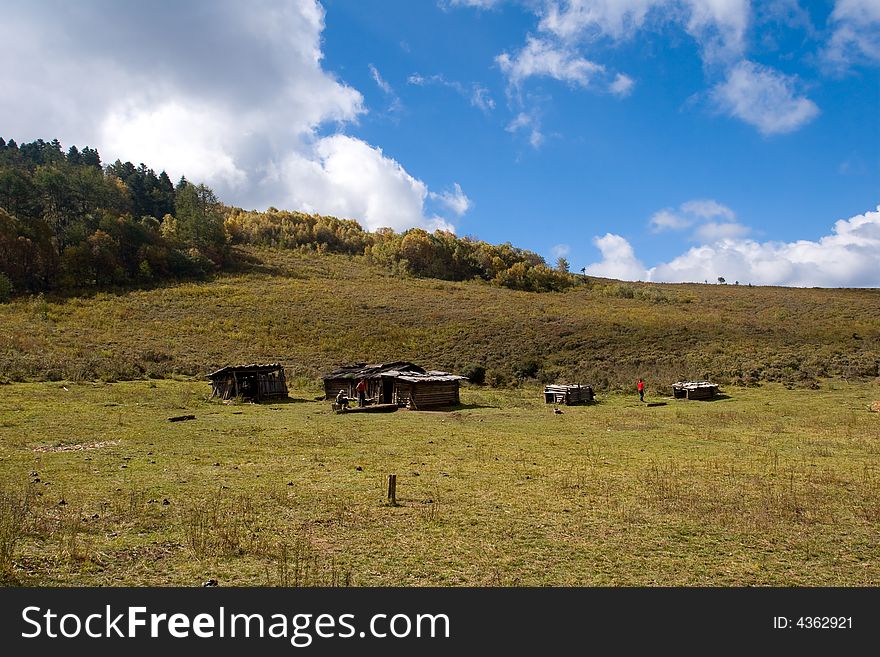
point(314, 312)
point(767, 486)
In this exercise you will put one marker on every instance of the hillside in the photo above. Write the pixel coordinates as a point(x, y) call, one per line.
point(313, 311)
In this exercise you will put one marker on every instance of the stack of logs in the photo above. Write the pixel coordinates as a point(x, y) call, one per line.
point(567, 394)
point(694, 390)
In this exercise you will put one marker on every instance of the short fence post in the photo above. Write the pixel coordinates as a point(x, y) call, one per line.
point(392, 490)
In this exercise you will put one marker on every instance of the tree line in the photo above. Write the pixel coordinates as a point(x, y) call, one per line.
point(415, 252)
point(68, 222)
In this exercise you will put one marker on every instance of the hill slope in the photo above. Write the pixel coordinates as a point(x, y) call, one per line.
point(312, 312)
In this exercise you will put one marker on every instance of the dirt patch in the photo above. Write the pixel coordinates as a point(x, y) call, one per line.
point(78, 447)
point(875, 406)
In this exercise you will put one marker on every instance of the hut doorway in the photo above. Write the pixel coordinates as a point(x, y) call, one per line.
point(387, 394)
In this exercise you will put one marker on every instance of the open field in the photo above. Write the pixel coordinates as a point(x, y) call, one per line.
point(314, 312)
point(766, 486)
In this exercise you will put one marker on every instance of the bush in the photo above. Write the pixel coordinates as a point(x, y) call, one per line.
point(526, 369)
point(475, 374)
point(5, 288)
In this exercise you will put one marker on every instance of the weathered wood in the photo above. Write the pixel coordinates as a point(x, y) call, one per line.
point(696, 390)
point(567, 394)
point(392, 489)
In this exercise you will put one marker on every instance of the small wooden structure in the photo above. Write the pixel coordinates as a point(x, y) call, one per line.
point(401, 383)
point(694, 390)
point(252, 382)
point(567, 394)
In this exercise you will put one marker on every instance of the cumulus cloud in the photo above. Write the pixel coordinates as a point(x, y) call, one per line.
point(719, 26)
point(347, 177)
point(856, 33)
point(848, 257)
point(618, 259)
point(764, 98)
point(456, 200)
point(236, 97)
point(707, 209)
point(543, 58)
point(712, 220)
point(613, 18)
point(758, 95)
point(622, 85)
point(712, 231)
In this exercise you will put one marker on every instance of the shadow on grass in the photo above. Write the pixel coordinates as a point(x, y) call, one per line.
point(290, 400)
point(718, 397)
point(466, 407)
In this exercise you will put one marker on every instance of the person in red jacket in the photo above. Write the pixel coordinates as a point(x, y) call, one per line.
point(362, 392)
point(641, 389)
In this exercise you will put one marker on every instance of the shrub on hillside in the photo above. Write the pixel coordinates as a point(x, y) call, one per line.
point(5, 288)
point(475, 374)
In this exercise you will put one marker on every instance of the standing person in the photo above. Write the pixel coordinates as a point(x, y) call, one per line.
point(641, 389)
point(362, 392)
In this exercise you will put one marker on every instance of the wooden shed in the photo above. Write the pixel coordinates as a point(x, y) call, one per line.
point(253, 382)
point(694, 390)
point(401, 383)
point(567, 394)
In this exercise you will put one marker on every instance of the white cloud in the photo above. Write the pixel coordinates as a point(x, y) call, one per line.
point(456, 200)
point(479, 4)
point(618, 259)
point(856, 33)
point(617, 19)
point(349, 178)
point(713, 231)
point(481, 99)
point(477, 95)
point(542, 58)
point(527, 123)
point(707, 209)
point(848, 257)
point(622, 85)
point(718, 25)
point(561, 250)
point(380, 82)
point(668, 219)
point(764, 98)
point(242, 103)
point(694, 212)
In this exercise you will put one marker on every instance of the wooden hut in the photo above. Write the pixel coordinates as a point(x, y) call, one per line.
point(567, 394)
point(401, 383)
point(694, 390)
point(428, 390)
point(252, 382)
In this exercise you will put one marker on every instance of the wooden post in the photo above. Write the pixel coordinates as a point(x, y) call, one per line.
point(392, 490)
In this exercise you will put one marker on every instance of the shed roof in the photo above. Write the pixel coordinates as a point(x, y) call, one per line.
point(253, 368)
point(433, 376)
point(365, 371)
point(691, 385)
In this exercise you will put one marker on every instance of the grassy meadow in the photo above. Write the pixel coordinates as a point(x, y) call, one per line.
point(314, 312)
point(776, 483)
point(765, 486)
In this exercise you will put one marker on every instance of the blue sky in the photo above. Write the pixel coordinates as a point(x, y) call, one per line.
point(641, 139)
